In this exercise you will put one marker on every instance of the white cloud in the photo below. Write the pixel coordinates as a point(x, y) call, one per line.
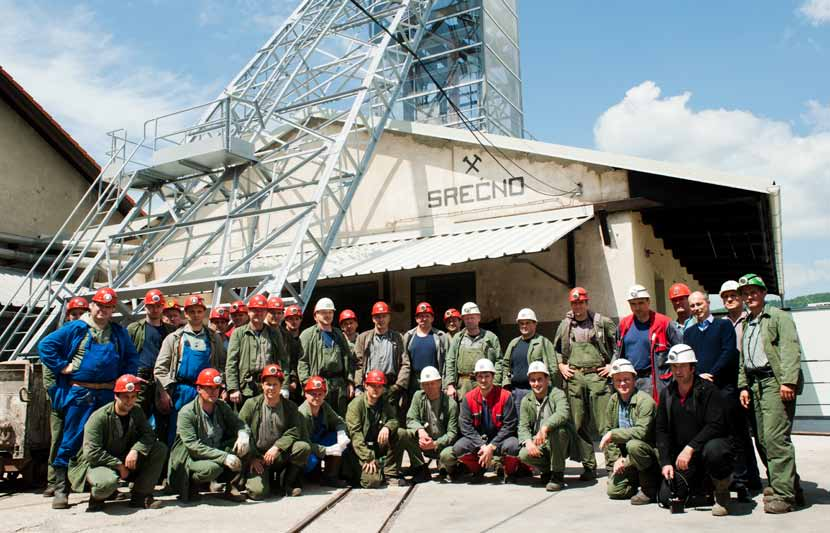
point(799, 276)
point(816, 11)
point(647, 124)
point(83, 76)
point(818, 116)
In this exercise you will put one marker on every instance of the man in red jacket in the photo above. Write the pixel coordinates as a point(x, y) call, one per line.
point(644, 338)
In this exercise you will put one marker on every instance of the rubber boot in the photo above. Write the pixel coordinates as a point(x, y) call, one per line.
point(722, 496)
point(61, 498)
point(331, 473)
point(291, 481)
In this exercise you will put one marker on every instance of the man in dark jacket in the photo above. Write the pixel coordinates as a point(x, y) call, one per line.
point(692, 439)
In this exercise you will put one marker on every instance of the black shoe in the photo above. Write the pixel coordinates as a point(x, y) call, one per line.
point(421, 475)
point(95, 505)
point(328, 481)
point(588, 474)
point(144, 502)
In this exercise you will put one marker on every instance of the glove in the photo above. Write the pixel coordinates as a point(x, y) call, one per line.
point(233, 462)
point(342, 439)
point(242, 444)
point(334, 450)
point(284, 393)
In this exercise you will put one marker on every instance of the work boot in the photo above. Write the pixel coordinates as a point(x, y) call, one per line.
point(331, 473)
point(49, 491)
point(61, 497)
point(768, 491)
point(777, 506)
point(722, 496)
point(95, 505)
point(641, 498)
point(291, 481)
point(544, 478)
point(144, 502)
point(397, 481)
point(556, 482)
point(421, 475)
point(588, 474)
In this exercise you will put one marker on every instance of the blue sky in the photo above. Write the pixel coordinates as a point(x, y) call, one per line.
point(740, 86)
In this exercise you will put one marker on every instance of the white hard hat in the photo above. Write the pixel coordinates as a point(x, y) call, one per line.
point(526, 314)
point(470, 308)
point(622, 365)
point(484, 365)
point(637, 291)
point(730, 285)
point(681, 353)
point(324, 304)
point(430, 373)
point(537, 366)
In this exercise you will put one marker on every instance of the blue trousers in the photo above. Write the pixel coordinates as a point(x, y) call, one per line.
point(79, 406)
point(326, 439)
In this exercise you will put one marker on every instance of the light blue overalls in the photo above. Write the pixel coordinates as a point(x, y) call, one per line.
point(193, 361)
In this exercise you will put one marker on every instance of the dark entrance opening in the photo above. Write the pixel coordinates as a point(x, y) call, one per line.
point(443, 291)
point(359, 297)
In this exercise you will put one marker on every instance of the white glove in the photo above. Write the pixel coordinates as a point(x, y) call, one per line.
point(233, 462)
point(342, 439)
point(284, 393)
point(334, 450)
point(243, 443)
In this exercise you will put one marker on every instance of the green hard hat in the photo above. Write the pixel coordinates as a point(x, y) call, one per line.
point(751, 279)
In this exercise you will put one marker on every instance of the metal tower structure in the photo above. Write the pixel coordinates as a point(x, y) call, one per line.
point(267, 169)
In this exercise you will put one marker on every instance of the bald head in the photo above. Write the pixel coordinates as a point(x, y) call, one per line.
point(699, 305)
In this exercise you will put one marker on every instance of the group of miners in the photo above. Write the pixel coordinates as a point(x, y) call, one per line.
point(242, 403)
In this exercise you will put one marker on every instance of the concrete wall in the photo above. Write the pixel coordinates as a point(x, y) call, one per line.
point(40, 188)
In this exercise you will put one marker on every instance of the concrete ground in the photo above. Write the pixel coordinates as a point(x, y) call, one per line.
point(435, 506)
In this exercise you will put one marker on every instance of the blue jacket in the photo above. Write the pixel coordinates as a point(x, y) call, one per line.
point(716, 351)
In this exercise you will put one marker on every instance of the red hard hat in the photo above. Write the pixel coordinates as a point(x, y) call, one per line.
point(209, 377)
point(219, 313)
point(105, 296)
point(275, 303)
point(424, 307)
point(452, 313)
point(194, 300)
point(171, 303)
point(272, 371)
point(315, 383)
point(258, 301)
point(347, 314)
point(154, 296)
point(238, 307)
point(578, 294)
point(77, 303)
point(678, 290)
point(293, 310)
point(128, 383)
point(375, 377)
point(380, 308)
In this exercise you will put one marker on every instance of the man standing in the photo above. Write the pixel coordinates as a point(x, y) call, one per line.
point(86, 356)
point(487, 425)
point(373, 429)
point(431, 426)
point(211, 442)
point(511, 370)
point(290, 328)
point(471, 344)
point(679, 298)
point(382, 349)
point(628, 439)
point(147, 335)
point(76, 308)
point(252, 347)
point(348, 324)
point(734, 305)
point(172, 314)
point(277, 430)
point(220, 323)
point(276, 311)
point(326, 353)
point(119, 445)
point(184, 354)
point(584, 345)
point(692, 438)
point(452, 321)
point(544, 427)
point(424, 345)
point(644, 337)
point(770, 378)
point(325, 431)
point(239, 316)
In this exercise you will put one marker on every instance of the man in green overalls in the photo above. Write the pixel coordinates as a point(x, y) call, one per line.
point(326, 353)
point(584, 345)
point(468, 346)
point(252, 347)
point(184, 354)
point(770, 376)
point(119, 444)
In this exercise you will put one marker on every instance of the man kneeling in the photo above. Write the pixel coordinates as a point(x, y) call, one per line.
point(373, 428)
point(325, 432)
point(119, 444)
point(276, 427)
point(628, 439)
point(210, 442)
point(544, 419)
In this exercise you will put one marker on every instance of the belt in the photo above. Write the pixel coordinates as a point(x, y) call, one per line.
point(585, 369)
point(644, 372)
point(97, 386)
point(760, 373)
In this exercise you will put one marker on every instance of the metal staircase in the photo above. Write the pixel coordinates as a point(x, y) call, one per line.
point(262, 176)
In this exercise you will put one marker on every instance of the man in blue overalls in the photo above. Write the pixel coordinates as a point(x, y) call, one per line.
point(87, 356)
point(183, 355)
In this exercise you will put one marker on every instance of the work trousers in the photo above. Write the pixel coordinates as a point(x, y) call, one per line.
point(387, 458)
point(103, 480)
point(554, 452)
point(259, 485)
point(746, 468)
point(56, 434)
point(641, 471)
point(417, 457)
point(338, 395)
point(463, 446)
point(80, 404)
point(715, 460)
point(774, 422)
point(588, 398)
